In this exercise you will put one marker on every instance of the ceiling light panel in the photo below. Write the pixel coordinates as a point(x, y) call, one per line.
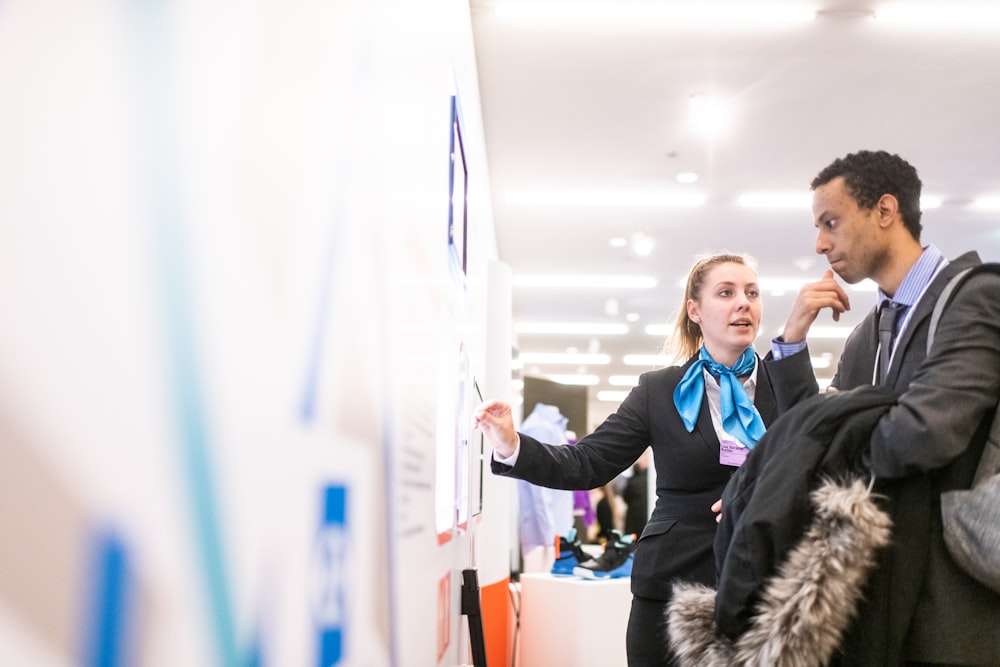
point(616, 199)
point(987, 203)
point(674, 14)
point(648, 360)
point(832, 333)
point(776, 200)
point(572, 328)
point(564, 358)
point(612, 395)
point(939, 15)
point(578, 379)
point(585, 282)
point(661, 330)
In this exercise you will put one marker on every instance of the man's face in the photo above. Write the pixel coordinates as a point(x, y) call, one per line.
point(847, 234)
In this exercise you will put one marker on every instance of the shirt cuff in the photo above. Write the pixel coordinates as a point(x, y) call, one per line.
point(780, 349)
point(512, 459)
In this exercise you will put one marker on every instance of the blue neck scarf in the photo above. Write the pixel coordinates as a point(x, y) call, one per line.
point(740, 418)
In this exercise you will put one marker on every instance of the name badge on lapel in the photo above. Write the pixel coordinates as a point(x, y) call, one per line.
point(732, 452)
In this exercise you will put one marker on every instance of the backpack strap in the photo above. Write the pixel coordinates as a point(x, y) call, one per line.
point(947, 292)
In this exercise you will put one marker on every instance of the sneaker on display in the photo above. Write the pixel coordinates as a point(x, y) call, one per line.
point(569, 554)
point(614, 563)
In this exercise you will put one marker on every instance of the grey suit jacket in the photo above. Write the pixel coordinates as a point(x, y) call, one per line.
point(920, 606)
point(677, 541)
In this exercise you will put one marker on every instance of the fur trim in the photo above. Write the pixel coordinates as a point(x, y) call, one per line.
point(806, 607)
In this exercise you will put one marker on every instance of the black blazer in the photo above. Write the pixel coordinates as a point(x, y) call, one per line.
point(919, 605)
point(677, 541)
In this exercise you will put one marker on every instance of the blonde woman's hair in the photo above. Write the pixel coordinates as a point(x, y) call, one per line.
point(686, 339)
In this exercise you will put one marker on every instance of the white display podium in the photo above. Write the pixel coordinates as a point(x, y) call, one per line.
point(570, 622)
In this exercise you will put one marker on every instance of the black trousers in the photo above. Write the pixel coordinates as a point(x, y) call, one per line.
point(646, 640)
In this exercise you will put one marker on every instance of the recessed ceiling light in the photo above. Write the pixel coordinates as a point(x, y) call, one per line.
point(591, 198)
point(825, 332)
point(674, 14)
point(587, 281)
point(821, 362)
point(618, 242)
point(987, 203)
point(939, 15)
point(686, 177)
point(928, 202)
point(565, 358)
point(709, 114)
point(612, 395)
point(650, 360)
point(581, 328)
point(574, 379)
point(778, 286)
point(801, 200)
point(661, 330)
point(643, 244)
point(631, 317)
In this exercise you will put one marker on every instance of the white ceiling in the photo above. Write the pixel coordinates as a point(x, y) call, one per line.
point(601, 107)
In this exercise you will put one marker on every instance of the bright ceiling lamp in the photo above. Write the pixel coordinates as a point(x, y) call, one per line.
point(928, 202)
point(710, 115)
point(578, 379)
point(588, 281)
point(795, 200)
point(650, 360)
point(987, 203)
point(565, 358)
point(780, 286)
point(832, 333)
point(618, 199)
point(611, 396)
point(824, 360)
point(676, 14)
point(940, 15)
point(581, 328)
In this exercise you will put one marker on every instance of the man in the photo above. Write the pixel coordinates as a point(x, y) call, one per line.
point(920, 607)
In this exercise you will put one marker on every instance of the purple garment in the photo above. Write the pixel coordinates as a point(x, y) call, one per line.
point(581, 501)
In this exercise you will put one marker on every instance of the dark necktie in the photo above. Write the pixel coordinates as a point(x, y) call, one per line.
point(888, 315)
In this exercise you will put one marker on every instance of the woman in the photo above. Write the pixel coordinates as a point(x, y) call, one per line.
point(700, 419)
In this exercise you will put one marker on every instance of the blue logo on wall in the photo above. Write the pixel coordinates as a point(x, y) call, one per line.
point(329, 578)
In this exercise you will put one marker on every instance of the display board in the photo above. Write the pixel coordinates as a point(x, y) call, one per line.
point(239, 335)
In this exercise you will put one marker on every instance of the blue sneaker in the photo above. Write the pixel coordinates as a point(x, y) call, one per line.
point(614, 563)
point(569, 554)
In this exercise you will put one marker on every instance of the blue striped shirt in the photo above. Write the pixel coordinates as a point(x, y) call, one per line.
point(916, 281)
point(910, 290)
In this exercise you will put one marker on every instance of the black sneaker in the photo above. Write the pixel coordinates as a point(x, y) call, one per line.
point(614, 563)
point(569, 554)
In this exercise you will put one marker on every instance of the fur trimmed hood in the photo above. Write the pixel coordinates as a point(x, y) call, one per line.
point(806, 607)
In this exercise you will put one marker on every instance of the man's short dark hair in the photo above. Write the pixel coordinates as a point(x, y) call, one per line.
point(870, 174)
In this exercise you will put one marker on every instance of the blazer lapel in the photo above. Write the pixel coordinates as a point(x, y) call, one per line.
point(763, 398)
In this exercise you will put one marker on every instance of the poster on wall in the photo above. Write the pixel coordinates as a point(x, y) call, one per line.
point(477, 450)
point(453, 498)
point(458, 190)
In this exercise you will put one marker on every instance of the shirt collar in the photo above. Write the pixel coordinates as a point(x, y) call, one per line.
point(917, 279)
